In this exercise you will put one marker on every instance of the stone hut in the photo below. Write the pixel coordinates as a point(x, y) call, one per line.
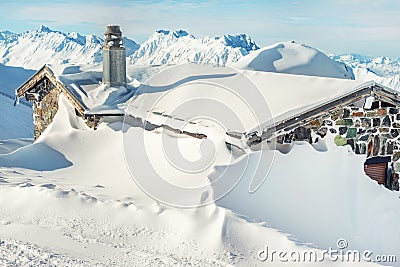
point(366, 118)
point(45, 87)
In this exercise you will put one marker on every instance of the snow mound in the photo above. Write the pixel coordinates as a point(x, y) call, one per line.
point(293, 58)
point(174, 47)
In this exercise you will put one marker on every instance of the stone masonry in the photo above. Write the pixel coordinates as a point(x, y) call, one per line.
point(373, 131)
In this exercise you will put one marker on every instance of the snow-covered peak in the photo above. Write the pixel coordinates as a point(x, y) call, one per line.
point(177, 34)
point(240, 40)
point(43, 45)
point(43, 28)
point(294, 58)
point(174, 47)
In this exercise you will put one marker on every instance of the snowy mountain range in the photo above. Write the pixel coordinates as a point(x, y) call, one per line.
point(33, 49)
point(172, 47)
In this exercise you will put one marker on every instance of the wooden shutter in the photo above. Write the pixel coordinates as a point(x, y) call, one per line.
point(376, 171)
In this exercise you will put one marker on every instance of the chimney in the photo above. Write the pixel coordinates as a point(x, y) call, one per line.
point(114, 57)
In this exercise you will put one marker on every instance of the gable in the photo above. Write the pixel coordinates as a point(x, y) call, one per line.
point(41, 83)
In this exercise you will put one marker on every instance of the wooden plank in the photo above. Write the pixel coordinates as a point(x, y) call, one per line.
point(376, 172)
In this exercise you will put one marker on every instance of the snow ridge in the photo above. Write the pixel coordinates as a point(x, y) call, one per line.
point(174, 47)
point(294, 58)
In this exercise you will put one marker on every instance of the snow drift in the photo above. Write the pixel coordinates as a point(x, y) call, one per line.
point(316, 196)
point(294, 58)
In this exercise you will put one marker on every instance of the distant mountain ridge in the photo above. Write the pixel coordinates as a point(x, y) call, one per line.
point(32, 49)
point(382, 66)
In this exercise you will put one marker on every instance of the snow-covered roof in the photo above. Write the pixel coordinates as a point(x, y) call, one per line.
point(83, 85)
point(269, 95)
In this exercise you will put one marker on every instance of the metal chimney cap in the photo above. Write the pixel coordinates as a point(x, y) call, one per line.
point(113, 29)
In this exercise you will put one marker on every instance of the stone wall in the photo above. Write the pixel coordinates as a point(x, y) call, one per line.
point(45, 108)
point(44, 111)
point(374, 131)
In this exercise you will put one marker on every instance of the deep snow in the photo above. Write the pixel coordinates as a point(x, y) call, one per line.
point(89, 211)
point(73, 199)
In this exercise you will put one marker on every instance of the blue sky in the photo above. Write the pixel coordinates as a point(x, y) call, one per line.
point(365, 27)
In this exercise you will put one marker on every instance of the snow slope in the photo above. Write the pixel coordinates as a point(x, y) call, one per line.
point(89, 211)
point(15, 121)
point(319, 194)
point(294, 58)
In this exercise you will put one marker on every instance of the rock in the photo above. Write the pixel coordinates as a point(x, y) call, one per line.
point(381, 112)
point(361, 131)
point(396, 156)
point(389, 148)
point(376, 122)
point(383, 147)
point(301, 134)
point(322, 131)
point(332, 130)
point(346, 113)
point(365, 122)
point(376, 146)
point(394, 132)
point(351, 143)
point(327, 123)
point(393, 110)
point(339, 140)
point(347, 122)
point(396, 166)
point(369, 151)
point(288, 137)
point(362, 148)
point(342, 130)
point(357, 149)
point(396, 125)
point(351, 133)
point(375, 105)
point(364, 138)
point(386, 121)
point(384, 130)
point(358, 114)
